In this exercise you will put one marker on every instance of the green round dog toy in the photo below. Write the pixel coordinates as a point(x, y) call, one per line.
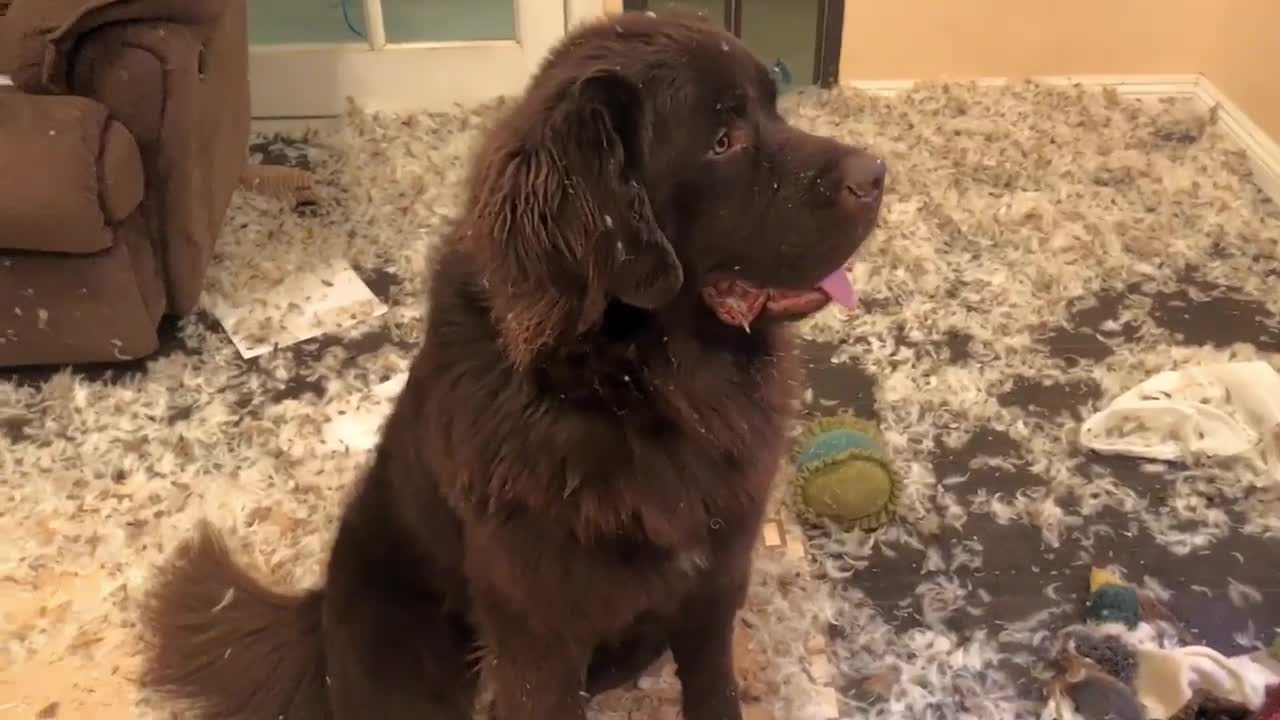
point(844, 474)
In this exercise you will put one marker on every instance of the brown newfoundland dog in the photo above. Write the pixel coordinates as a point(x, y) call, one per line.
point(573, 480)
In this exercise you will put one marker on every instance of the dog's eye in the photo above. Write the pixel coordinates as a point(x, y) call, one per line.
point(723, 143)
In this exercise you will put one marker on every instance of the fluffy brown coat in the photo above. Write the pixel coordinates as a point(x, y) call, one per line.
point(574, 477)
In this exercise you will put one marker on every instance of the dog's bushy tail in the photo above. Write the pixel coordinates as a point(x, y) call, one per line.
point(222, 642)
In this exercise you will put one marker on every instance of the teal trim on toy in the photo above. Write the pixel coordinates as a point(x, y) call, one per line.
point(834, 442)
point(1115, 604)
point(844, 474)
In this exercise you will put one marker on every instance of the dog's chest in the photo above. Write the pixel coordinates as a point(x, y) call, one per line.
point(692, 561)
point(710, 450)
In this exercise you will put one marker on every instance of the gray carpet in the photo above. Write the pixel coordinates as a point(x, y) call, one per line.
point(1042, 250)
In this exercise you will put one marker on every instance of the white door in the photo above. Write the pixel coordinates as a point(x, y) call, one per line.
point(308, 56)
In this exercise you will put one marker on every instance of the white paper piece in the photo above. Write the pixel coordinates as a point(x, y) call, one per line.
point(357, 423)
point(772, 535)
point(4, 80)
point(391, 389)
point(306, 305)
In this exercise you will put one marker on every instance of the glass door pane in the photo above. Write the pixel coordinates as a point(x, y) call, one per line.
point(713, 9)
point(282, 22)
point(286, 22)
point(411, 21)
point(309, 56)
point(784, 35)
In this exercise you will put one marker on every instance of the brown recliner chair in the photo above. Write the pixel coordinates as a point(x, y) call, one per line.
point(122, 140)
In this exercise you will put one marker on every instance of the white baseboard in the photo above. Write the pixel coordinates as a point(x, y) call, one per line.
point(1186, 85)
point(294, 127)
point(1263, 151)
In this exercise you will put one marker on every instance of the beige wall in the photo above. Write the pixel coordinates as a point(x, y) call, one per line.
point(1235, 43)
point(911, 39)
point(1243, 59)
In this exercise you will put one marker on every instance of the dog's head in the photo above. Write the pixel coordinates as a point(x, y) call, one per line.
point(647, 164)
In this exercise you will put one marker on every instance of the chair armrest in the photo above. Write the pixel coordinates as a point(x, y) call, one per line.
point(38, 37)
point(183, 92)
point(68, 173)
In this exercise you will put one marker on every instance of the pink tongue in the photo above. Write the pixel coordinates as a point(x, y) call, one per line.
point(837, 285)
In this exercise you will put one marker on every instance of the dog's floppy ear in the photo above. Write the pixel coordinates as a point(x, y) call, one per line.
point(561, 217)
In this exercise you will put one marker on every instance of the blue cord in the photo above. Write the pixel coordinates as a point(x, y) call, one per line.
point(346, 17)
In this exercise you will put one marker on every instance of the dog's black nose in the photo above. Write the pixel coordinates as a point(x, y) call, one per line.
point(863, 175)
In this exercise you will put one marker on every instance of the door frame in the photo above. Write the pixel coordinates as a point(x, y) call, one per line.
point(827, 40)
point(580, 11)
point(314, 80)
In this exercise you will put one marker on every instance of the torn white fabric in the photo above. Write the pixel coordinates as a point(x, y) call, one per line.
point(1167, 678)
point(1221, 410)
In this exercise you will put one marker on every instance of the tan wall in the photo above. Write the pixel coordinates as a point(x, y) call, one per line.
point(1235, 43)
point(1243, 59)
point(916, 39)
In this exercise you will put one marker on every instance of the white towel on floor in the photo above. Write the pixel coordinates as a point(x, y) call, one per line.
point(1223, 410)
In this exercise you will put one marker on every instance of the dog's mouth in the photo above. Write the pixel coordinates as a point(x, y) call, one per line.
point(738, 302)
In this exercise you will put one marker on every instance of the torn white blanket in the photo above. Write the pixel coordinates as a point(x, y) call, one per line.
point(1222, 410)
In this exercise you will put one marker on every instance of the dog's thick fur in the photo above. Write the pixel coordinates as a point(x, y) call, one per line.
point(574, 477)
